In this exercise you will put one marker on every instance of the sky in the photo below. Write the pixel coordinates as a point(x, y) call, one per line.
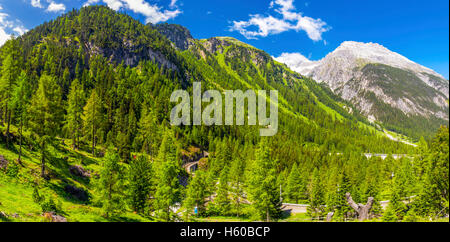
point(418, 30)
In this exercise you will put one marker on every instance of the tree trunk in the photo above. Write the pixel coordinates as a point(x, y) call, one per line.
point(43, 159)
point(93, 140)
point(361, 210)
point(7, 127)
point(238, 200)
point(78, 139)
point(20, 142)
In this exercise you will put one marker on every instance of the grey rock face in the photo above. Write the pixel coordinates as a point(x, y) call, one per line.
point(370, 75)
point(179, 35)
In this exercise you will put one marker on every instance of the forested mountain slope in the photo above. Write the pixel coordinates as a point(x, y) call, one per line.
point(383, 85)
point(92, 89)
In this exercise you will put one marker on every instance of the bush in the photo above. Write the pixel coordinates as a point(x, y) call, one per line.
point(13, 170)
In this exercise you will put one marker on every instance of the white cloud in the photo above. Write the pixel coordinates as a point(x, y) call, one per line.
point(9, 27)
point(114, 4)
point(292, 59)
point(153, 13)
point(173, 3)
point(20, 30)
point(297, 62)
point(289, 20)
point(56, 7)
point(3, 36)
point(36, 4)
point(90, 2)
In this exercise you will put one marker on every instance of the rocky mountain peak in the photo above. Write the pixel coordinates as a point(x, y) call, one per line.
point(379, 81)
point(179, 35)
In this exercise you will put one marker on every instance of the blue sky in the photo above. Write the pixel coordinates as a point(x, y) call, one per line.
point(416, 29)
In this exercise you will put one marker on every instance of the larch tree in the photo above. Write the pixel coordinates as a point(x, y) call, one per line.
point(92, 115)
point(237, 183)
point(9, 72)
point(433, 199)
point(148, 131)
point(196, 194)
point(110, 185)
point(317, 196)
point(295, 187)
point(168, 189)
point(222, 202)
point(20, 100)
point(45, 112)
point(140, 186)
point(74, 118)
point(262, 188)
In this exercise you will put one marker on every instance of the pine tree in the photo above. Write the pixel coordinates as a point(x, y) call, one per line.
point(263, 191)
point(93, 117)
point(9, 72)
point(74, 119)
point(433, 199)
point(317, 196)
point(45, 112)
point(196, 194)
point(222, 201)
point(140, 176)
point(20, 99)
point(110, 186)
point(372, 187)
point(295, 187)
point(342, 207)
point(396, 205)
point(168, 187)
point(236, 181)
point(148, 132)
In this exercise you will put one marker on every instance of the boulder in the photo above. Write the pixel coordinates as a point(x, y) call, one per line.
point(53, 217)
point(78, 193)
point(330, 216)
point(3, 163)
point(79, 171)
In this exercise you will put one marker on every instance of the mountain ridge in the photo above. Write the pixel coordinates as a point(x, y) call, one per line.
point(378, 81)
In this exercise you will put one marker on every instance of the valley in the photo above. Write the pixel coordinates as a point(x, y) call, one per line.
point(86, 134)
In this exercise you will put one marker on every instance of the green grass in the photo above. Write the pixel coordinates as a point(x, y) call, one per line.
point(299, 217)
point(221, 219)
point(16, 192)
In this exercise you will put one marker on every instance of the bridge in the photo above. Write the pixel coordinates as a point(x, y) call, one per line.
point(191, 167)
point(303, 208)
point(382, 156)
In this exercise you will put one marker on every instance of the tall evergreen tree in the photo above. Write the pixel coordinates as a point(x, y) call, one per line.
point(168, 190)
point(93, 117)
point(110, 185)
point(196, 194)
point(222, 202)
point(317, 196)
point(433, 200)
point(45, 112)
point(149, 131)
point(295, 187)
point(20, 100)
point(237, 183)
point(262, 188)
point(9, 72)
point(342, 207)
point(74, 118)
point(140, 177)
